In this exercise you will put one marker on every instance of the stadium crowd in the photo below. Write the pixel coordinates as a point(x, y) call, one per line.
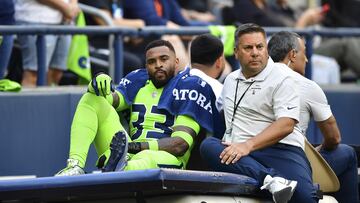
point(333, 60)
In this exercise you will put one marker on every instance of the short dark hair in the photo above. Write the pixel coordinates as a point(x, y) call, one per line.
point(246, 29)
point(281, 43)
point(206, 49)
point(160, 43)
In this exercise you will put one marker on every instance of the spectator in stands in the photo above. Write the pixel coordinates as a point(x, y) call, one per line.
point(296, 18)
point(218, 8)
point(160, 12)
point(261, 109)
point(258, 11)
point(196, 12)
point(114, 9)
point(200, 5)
point(164, 118)
point(166, 13)
point(289, 48)
point(155, 12)
point(346, 50)
point(6, 41)
point(278, 13)
point(342, 13)
point(44, 12)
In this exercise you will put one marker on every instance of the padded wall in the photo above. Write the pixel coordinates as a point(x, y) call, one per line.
point(35, 127)
point(34, 131)
point(344, 101)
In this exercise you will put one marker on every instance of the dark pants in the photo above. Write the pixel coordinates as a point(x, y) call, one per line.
point(345, 50)
point(278, 160)
point(5, 51)
point(344, 163)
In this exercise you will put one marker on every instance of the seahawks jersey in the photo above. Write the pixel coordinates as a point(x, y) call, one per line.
point(154, 110)
point(146, 120)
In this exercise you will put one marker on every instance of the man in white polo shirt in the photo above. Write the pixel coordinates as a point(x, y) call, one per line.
point(261, 108)
point(289, 48)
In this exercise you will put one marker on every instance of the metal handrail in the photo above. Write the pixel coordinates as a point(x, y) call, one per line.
point(109, 22)
point(118, 32)
point(66, 29)
point(41, 30)
point(96, 12)
point(160, 30)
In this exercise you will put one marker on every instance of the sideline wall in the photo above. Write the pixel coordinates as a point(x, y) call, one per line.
point(35, 127)
point(35, 131)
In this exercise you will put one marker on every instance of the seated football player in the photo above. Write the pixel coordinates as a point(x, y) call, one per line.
point(167, 112)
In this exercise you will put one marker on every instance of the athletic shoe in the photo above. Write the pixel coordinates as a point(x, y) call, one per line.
point(280, 188)
point(118, 151)
point(72, 169)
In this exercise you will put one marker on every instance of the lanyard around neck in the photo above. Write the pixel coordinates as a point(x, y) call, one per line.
point(236, 104)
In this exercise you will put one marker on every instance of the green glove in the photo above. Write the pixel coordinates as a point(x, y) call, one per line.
point(101, 85)
point(7, 85)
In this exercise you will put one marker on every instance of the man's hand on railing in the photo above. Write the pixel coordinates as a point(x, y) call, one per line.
point(72, 10)
point(101, 85)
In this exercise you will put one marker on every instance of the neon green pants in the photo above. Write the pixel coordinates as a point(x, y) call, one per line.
point(96, 121)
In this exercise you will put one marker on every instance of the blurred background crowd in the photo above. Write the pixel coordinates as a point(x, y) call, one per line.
point(334, 59)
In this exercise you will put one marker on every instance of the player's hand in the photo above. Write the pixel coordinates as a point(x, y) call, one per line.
point(101, 85)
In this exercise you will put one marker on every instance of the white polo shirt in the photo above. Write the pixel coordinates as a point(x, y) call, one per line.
point(215, 85)
point(35, 12)
point(312, 100)
point(272, 95)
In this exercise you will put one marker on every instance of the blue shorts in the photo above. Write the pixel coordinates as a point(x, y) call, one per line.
point(57, 49)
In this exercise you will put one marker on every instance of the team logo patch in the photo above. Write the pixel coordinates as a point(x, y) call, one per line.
point(255, 89)
point(154, 94)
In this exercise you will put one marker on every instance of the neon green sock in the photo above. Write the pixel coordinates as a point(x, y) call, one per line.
point(95, 120)
point(83, 131)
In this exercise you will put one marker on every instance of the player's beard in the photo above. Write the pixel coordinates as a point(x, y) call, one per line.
point(164, 77)
point(159, 82)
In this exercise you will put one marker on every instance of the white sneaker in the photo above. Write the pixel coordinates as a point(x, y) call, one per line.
point(72, 169)
point(280, 188)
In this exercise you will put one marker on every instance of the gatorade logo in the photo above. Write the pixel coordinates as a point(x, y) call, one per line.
point(193, 95)
point(83, 62)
